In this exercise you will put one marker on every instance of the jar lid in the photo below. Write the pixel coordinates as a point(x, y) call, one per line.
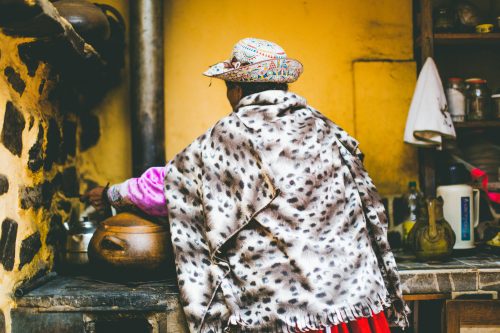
point(476, 80)
point(485, 25)
point(455, 79)
point(130, 223)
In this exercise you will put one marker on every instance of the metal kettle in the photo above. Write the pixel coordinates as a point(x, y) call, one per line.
point(432, 237)
point(77, 241)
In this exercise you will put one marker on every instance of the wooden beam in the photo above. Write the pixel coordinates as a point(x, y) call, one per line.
point(426, 29)
point(426, 297)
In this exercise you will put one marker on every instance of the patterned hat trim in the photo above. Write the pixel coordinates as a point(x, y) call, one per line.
point(257, 60)
point(273, 70)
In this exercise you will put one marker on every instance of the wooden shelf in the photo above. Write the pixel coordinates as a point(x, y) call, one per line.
point(492, 38)
point(456, 55)
point(466, 38)
point(478, 124)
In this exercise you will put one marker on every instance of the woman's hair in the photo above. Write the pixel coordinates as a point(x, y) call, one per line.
point(249, 88)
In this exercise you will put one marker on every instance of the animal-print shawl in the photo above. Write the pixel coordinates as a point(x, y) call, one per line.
point(276, 225)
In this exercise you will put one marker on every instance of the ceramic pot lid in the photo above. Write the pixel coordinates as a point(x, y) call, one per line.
point(130, 223)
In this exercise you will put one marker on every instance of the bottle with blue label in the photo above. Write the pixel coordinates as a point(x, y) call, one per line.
point(461, 205)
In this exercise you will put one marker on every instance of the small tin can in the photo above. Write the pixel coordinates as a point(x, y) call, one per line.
point(484, 28)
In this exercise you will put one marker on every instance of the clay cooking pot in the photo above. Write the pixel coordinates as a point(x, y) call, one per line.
point(127, 246)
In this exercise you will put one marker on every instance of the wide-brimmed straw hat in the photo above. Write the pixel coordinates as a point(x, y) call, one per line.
point(257, 60)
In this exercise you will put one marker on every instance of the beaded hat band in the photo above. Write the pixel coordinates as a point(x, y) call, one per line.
point(257, 60)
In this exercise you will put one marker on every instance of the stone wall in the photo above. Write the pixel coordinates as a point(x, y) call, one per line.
point(39, 185)
point(53, 147)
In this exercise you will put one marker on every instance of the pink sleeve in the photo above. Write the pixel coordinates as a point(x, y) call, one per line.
point(145, 192)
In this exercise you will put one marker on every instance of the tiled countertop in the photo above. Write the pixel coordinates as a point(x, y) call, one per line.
point(480, 272)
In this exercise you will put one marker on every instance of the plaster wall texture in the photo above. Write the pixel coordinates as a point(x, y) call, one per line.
point(359, 72)
point(330, 38)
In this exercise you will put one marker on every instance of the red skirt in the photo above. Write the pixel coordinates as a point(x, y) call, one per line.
point(375, 324)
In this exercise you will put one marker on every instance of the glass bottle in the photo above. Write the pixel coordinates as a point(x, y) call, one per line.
point(411, 199)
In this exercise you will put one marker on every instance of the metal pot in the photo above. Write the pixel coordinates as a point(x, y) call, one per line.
point(127, 245)
point(87, 19)
point(77, 240)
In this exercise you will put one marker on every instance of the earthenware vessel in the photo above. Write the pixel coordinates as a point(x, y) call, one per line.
point(130, 246)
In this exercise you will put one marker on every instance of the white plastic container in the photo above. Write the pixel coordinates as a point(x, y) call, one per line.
point(461, 210)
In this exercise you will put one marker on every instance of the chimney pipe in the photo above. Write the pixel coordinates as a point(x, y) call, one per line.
point(146, 83)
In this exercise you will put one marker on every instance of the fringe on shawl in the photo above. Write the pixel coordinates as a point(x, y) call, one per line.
point(304, 322)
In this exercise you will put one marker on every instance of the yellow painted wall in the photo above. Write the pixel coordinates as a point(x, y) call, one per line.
point(328, 37)
point(332, 38)
point(382, 93)
point(110, 160)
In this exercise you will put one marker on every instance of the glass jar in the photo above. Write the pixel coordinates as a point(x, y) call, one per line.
point(496, 106)
point(455, 94)
point(444, 20)
point(478, 99)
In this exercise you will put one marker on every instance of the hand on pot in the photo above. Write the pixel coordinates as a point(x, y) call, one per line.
point(97, 197)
